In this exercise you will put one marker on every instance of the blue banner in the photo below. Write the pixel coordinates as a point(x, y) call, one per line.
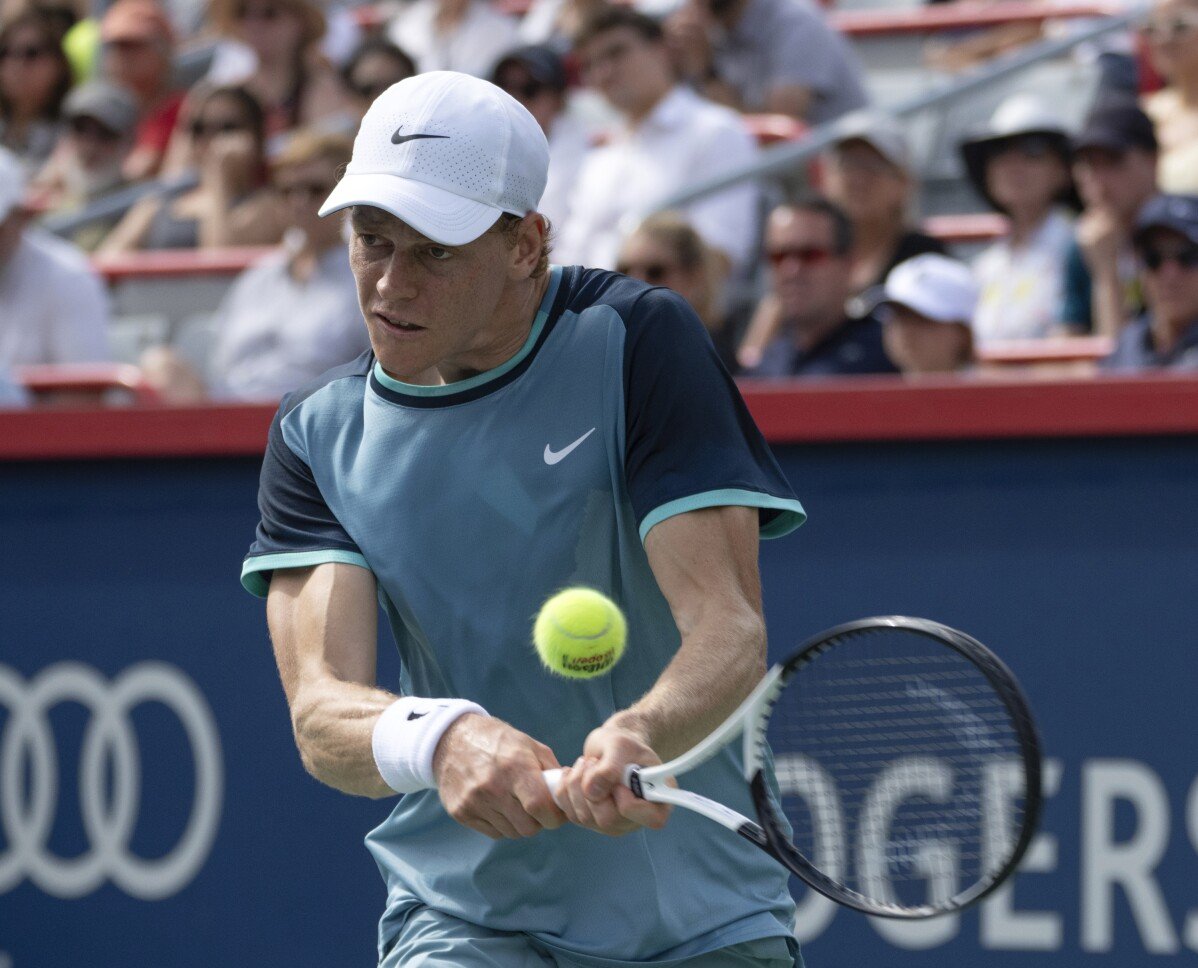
point(153, 810)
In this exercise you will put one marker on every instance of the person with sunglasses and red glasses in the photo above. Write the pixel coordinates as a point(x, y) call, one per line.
point(809, 246)
point(1166, 336)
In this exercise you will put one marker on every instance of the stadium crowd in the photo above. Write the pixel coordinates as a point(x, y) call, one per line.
point(246, 110)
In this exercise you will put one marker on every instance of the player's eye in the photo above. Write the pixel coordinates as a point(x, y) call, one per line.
point(369, 240)
point(438, 253)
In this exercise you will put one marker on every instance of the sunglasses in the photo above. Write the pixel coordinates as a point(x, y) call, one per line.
point(26, 54)
point(1164, 31)
point(267, 14)
point(524, 92)
point(85, 127)
point(201, 130)
point(1032, 146)
point(305, 191)
point(654, 273)
point(804, 255)
point(1154, 258)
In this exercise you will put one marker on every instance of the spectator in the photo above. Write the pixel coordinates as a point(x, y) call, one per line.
point(1020, 165)
point(536, 77)
point(138, 54)
point(554, 23)
point(372, 68)
point(777, 56)
point(231, 205)
point(868, 173)
point(1166, 336)
point(927, 305)
point(1172, 33)
point(281, 63)
point(809, 246)
point(89, 160)
point(669, 138)
point(1114, 166)
point(34, 80)
point(295, 314)
point(53, 307)
point(454, 35)
point(665, 251)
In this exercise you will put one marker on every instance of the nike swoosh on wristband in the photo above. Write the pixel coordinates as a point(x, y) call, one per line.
point(398, 139)
point(552, 457)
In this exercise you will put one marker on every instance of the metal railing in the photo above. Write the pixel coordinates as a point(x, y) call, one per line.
point(788, 156)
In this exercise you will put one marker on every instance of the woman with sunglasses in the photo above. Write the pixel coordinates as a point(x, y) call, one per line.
point(277, 57)
point(665, 250)
point(231, 205)
point(372, 68)
point(34, 79)
point(292, 315)
point(1020, 166)
point(1172, 35)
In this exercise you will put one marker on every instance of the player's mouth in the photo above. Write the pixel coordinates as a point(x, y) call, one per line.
point(399, 327)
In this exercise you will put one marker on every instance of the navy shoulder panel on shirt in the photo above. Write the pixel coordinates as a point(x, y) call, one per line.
point(689, 439)
point(360, 366)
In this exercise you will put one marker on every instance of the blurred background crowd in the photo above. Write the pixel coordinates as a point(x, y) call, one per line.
point(196, 131)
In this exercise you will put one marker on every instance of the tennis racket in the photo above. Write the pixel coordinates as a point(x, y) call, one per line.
point(907, 765)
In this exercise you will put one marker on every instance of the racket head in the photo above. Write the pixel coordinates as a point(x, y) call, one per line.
point(916, 786)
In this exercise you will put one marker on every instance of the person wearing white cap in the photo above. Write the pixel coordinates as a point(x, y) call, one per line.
point(517, 428)
point(926, 306)
point(1020, 166)
point(53, 306)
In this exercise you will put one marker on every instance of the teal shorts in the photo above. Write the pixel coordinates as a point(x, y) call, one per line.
point(432, 939)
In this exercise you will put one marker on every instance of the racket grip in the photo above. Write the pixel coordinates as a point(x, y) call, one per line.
point(553, 780)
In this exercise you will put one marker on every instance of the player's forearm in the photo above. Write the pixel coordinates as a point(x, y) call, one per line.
point(721, 659)
point(333, 724)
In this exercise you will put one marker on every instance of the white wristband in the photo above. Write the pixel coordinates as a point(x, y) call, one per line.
point(406, 735)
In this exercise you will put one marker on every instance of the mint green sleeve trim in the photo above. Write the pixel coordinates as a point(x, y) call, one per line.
point(791, 517)
point(257, 583)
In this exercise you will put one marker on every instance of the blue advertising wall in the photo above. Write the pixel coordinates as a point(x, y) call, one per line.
point(153, 810)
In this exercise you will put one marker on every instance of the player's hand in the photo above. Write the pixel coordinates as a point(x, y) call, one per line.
point(489, 778)
point(592, 792)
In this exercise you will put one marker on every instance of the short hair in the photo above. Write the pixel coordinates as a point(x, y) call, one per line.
point(608, 17)
point(672, 230)
point(842, 227)
point(377, 45)
point(307, 145)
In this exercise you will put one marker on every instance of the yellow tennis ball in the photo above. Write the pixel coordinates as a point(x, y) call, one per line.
point(579, 633)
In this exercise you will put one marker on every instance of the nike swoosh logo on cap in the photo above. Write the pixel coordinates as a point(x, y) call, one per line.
point(398, 139)
point(553, 457)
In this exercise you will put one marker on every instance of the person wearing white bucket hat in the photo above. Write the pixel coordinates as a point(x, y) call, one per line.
point(1020, 166)
point(517, 428)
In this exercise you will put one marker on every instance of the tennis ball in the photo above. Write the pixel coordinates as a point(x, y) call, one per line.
point(579, 633)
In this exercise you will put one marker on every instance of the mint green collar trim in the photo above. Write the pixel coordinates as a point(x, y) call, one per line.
point(448, 389)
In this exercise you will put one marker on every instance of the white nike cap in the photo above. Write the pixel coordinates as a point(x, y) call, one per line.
point(935, 286)
point(447, 153)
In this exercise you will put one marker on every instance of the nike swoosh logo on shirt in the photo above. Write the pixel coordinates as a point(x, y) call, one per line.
point(398, 139)
point(553, 457)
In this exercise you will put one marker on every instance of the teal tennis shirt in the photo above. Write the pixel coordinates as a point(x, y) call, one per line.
point(472, 503)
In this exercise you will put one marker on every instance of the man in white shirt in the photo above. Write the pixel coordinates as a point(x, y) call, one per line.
point(454, 35)
point(53, 306)
point(670, 138)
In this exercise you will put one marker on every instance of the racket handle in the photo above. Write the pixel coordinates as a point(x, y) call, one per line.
point(553, 780)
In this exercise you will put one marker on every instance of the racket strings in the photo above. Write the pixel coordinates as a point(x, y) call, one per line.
point(899, 768)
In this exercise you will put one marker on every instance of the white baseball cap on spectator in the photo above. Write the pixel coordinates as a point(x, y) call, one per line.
point(935, 286)
point(882, 132)
point(12, 183)
point(447, 153)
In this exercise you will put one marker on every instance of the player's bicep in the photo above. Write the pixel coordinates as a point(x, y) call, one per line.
point(705, 563)
point(324, 626)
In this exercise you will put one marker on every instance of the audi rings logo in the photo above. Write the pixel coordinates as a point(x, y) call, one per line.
point(109, 780)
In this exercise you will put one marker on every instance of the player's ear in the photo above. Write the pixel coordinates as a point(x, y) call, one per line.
point(529, 249)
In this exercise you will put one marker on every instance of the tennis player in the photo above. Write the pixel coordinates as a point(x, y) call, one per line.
point(519, 427)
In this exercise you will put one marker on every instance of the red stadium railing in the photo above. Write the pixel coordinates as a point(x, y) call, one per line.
point(858, 409)
point(1067, 349)
point(78, 380)
point(177, 262)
